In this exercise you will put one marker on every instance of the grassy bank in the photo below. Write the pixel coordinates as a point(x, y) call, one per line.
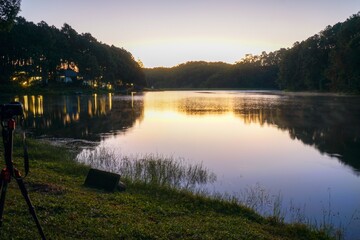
point(68, 210)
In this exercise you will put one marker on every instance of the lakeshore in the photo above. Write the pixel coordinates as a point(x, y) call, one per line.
point(68, 210)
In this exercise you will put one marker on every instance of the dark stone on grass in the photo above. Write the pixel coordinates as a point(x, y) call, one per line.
point(102, 180)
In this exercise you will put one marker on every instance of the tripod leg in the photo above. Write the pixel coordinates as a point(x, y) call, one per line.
point(2, 199)
point(31, 207)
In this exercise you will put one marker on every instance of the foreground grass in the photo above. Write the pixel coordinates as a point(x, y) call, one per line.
point(68, 210)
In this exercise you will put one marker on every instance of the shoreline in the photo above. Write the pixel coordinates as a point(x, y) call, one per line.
point(56, 188)
point(65, 89)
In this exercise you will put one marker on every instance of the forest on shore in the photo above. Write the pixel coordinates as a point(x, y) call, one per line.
point(39, 54)
point(327, 61)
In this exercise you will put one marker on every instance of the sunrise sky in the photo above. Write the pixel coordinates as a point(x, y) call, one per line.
point(169, 32)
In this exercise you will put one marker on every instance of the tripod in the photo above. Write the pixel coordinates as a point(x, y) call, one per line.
point(10, 171)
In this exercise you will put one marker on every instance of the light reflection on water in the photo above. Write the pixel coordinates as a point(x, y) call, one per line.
point(282, 143)
point(305, 148)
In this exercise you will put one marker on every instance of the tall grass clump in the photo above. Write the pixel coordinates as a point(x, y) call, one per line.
point(259, 199)
point(151, 169)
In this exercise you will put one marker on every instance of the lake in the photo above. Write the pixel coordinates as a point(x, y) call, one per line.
point(300, 152)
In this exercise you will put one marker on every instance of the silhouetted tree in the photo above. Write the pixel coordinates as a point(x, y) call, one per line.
point(328, 61)
point(8, 12)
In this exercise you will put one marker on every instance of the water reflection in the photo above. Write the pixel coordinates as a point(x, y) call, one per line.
point(328, 123)
point(78, 116)
point(32, 104)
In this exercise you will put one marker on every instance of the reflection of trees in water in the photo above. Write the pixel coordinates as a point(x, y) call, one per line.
point(330, 124)
point(250, 110)
point(204, 105)
point(84, 117)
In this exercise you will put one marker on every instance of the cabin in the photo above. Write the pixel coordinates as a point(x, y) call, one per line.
point(67, 76)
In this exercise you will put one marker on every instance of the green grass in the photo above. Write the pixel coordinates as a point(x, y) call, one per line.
point(68, 210)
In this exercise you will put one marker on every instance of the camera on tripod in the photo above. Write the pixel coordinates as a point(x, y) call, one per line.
point(11, 110)
point(8, 113)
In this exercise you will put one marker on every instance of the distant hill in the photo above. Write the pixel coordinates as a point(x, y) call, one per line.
point(213, 75)
point(328, 61)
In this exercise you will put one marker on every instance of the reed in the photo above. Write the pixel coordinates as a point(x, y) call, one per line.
point(154, 169)
point(164, 171)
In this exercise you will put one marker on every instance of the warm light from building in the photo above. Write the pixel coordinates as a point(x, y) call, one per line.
point(76, 117)
point(95, 103)
point(102, 106)
point(26, 103)
point(40, 109)
point(78, 104)
point(90, 108)
point(109, 86)
point(110, 101)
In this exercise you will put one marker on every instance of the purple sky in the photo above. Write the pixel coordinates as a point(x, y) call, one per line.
point(169, 32)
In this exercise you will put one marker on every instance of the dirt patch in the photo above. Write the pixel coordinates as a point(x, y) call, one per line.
point(46, 188)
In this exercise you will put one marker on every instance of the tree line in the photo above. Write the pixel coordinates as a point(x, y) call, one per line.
point(328, 61)
point(202, 74)
point(31, 50)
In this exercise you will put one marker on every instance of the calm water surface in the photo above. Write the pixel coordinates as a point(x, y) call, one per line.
point(301, 148)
